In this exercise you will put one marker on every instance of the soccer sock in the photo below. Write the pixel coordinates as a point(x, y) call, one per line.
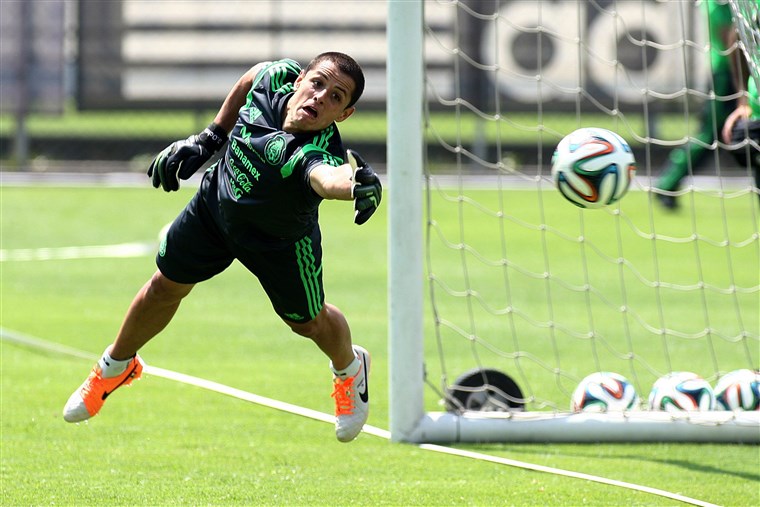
point(350, 371)
point(111, 367)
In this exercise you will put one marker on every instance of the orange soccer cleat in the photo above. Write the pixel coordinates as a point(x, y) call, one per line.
point(87, 401)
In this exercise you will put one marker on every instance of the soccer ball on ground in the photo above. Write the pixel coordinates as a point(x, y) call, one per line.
point(593, 167)
point(604, 392)
point(738, 390)
point(682, 392)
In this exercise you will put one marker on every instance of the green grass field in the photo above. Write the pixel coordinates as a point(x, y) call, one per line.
point(165, 443)
point(367, 126)
point(642, 259)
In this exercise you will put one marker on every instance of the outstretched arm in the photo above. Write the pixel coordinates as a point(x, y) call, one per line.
point(182, 159)
point(228, 113)
point(355, 181)
point(331, 182)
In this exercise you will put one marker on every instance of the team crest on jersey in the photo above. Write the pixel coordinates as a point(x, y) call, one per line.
point(274, 151)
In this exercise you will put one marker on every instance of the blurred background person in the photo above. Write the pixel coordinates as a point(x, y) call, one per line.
point(744, 122)
point(685, 160)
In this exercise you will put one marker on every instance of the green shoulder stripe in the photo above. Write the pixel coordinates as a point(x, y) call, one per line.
point(323, 139)
point(279, 71)
point(287, 169)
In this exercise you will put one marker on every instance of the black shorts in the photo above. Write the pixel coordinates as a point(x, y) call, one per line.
point(195, 249)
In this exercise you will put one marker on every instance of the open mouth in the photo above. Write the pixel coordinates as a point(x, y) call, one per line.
point(310, 111)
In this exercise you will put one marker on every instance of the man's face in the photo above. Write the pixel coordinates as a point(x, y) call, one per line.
point(320, 98)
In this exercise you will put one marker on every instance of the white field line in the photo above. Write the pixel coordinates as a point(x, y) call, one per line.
point(122, 250)
point(15, 337)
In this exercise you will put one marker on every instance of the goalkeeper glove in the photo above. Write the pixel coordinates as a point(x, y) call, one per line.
point(367, 190)
point(182, 159)
point(746, 129)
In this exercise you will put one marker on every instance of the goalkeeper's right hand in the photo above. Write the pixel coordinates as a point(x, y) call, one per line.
point(367, 190)
point(746, 129)
point(182, 159)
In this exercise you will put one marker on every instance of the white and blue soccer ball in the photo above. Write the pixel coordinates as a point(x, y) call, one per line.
point(682, 392)
point(604, 392)
point(593, 167)
point(738, 390)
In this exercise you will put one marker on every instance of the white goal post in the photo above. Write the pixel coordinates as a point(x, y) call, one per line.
point(405, 272)
point(409, 185)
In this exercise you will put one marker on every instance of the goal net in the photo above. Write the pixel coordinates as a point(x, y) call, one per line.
point(747, 22)
point(503, 296)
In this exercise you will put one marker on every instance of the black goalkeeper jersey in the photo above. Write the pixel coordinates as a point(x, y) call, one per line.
point(263, 180)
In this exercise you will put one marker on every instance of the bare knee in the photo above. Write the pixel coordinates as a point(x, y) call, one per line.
point(329, 330)
point(308, 329)
point(321, 326)
point(161, 288)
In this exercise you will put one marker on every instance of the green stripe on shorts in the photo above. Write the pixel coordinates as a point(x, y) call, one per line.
point(309, 275)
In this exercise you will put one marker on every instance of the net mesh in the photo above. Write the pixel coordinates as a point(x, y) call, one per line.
point(522, 281)
point(747, 21)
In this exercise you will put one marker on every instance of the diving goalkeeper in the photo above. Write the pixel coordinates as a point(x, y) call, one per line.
point(258, 204)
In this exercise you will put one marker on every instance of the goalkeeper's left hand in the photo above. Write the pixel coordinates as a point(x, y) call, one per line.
point(367, 190)
point(182, 159)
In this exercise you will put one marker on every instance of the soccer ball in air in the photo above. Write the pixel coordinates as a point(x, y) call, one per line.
point(682, 392)
point(593, 167)
point(738, 390)
point(604, 392)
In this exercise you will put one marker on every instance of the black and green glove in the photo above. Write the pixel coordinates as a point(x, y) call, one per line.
point(746, 129)
point(367, 190)
point(182, 159)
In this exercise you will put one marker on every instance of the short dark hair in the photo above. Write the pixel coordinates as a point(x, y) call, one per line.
point(346, 65)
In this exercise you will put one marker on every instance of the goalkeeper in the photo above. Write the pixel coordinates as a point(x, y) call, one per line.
point(258, 204)
point(742, 127)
